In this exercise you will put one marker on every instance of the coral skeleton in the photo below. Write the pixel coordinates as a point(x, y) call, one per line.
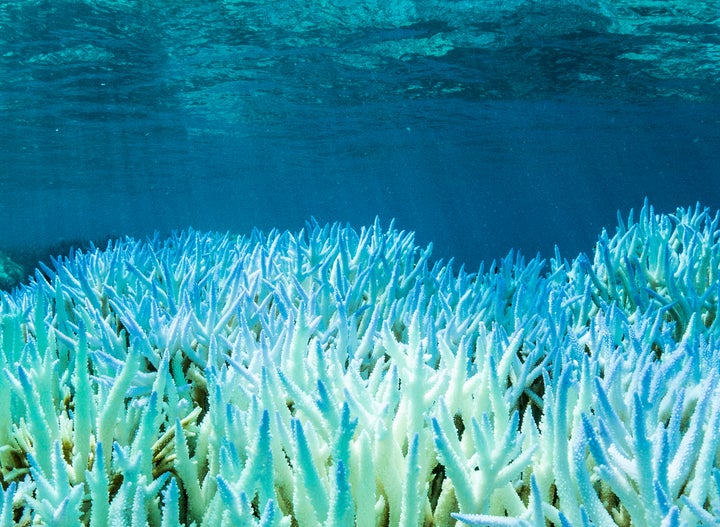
point(335, 377)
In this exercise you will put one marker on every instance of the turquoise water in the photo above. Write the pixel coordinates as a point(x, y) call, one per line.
point(483, 126)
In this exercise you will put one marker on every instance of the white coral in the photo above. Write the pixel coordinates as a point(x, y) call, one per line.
point(336, 377)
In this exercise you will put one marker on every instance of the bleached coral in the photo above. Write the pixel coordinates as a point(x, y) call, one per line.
point(335, 377)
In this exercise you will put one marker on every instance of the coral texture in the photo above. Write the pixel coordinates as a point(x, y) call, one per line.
point(338, 378)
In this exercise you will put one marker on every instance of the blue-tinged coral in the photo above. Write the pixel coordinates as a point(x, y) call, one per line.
point(335, 378)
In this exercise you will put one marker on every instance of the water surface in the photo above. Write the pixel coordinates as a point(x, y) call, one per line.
point(482, 126)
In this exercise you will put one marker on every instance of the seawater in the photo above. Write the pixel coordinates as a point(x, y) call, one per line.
point(482, 126)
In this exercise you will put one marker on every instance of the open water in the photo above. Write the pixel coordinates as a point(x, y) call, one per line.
point(480, 125)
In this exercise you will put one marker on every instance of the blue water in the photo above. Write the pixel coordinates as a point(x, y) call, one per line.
point(480, 126)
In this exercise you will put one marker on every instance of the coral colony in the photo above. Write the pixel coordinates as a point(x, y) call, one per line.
point(339, 378)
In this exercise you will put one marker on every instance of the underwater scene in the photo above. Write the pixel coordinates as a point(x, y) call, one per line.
point(302, 263)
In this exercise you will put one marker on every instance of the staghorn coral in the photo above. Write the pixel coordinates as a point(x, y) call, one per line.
point(335, 377)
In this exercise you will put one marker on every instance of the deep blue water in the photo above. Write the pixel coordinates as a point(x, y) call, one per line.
point(480, 126)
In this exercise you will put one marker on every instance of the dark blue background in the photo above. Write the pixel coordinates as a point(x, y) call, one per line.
point(106, 132)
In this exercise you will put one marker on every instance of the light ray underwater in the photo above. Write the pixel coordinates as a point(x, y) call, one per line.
point(342, 377)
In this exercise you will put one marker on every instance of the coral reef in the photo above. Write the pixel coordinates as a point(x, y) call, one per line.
point(11, 273)
point(335, 377)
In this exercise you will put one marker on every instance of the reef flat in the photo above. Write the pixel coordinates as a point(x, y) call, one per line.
point(342, 377)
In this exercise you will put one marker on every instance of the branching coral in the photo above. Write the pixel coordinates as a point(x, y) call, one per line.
point(338, 378)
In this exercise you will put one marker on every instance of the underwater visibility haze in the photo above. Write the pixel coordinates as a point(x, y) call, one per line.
point(208, 316)
point(480, 125)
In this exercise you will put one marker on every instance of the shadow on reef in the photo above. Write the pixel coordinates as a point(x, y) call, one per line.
point(18, 263)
